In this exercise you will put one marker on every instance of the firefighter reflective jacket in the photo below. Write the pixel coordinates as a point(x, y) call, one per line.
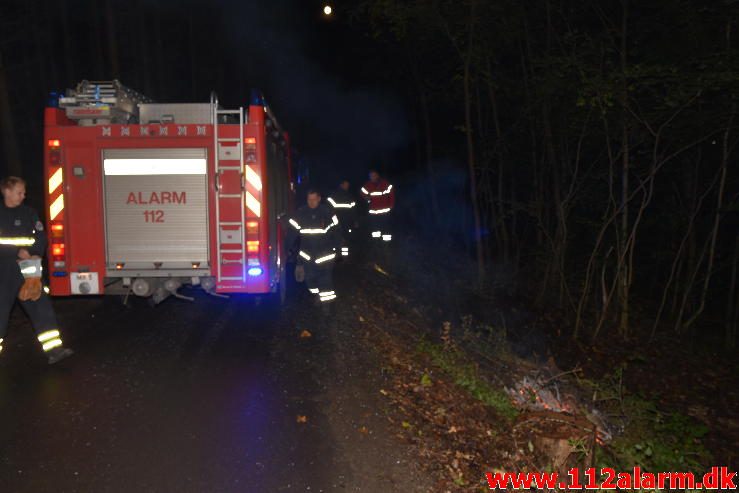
point(379, 195)
point(344, 205)
point(318, 233)
point(20, 227)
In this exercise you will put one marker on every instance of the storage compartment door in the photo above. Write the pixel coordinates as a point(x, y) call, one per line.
point(156, 208)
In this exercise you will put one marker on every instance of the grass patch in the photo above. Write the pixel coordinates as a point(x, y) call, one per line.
point(651, 438)
point(466, 375)
point(661, 441)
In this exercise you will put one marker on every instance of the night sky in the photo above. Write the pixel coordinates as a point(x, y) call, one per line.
point(343, 114)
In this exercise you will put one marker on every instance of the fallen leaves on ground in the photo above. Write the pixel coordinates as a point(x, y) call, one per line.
point(305, 334)
point(457, 435)
point(452, 431)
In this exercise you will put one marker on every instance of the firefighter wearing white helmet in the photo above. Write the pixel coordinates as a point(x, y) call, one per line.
point(22, 244)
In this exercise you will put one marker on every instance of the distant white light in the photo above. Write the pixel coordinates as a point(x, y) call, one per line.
point(328, 10)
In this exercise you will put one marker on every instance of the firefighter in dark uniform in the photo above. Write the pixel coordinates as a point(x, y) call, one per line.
point(380, 197)
point(317, 227)
point(344, 205)
point(22, 237)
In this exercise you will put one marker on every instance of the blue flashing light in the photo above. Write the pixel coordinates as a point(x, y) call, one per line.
point(53, 101)
point(59, 274)
point(257, 98)
point(255, 271)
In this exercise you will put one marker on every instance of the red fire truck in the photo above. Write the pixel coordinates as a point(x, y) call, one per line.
point(146, 197)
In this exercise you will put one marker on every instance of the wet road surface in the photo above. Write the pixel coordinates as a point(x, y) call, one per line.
point(217, 395)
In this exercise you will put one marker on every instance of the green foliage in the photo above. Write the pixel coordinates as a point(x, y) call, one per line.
point(466, 375)
point(651, 438)
point(663, 442)
point(426, 380)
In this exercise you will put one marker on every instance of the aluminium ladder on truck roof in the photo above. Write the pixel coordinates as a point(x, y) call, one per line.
point(102, 102)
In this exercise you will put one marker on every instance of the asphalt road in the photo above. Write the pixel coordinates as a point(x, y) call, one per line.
point(211, 396)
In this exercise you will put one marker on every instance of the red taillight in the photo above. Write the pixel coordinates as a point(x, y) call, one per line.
point(57, 230)
point(54, 143)
point(250, 140)
point(252, 246)
point(57, 249)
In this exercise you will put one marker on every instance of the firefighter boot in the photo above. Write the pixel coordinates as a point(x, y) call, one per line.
point(58, 353)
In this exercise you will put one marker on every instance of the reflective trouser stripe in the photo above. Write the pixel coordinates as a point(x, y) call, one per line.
point(387, 237)
point(48, 335)
point(314, 290)
point(50, 339)
point(326, 258)
point(376, 234)
point(1, 344)
point(344, 251)
point(327, 295)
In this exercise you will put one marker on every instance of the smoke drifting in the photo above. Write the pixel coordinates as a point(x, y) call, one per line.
point(340, 128)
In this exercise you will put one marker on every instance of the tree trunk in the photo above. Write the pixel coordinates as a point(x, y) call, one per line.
point(716, 223)
point(69, 72)
point(145, 82)
point(115, 69)
point(731, 308)
point(471, 167)
point(96, 40)
point(428, 141)
point(193, 60)
point(499, 204)
point(7, 127)
point(624, 273)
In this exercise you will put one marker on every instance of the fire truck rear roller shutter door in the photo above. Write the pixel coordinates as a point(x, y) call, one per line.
point(156, 207)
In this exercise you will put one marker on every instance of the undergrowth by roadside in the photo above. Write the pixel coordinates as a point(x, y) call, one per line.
point(452, 395)
point(467, 376)
point(649, 437)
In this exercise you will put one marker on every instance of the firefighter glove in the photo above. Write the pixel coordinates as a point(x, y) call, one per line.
point(31, 289)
